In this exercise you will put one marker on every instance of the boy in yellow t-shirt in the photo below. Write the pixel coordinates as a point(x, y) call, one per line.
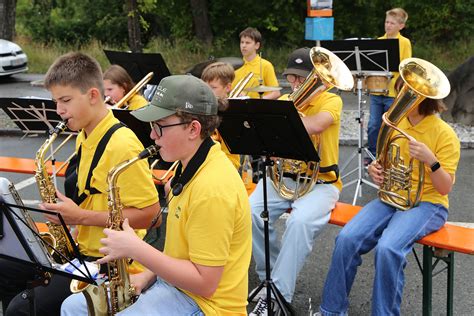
point(311, 211)
point(219, 77)
point(117, 83)
point(390, 231)
point(203, 269)
point(76, 85)
point(262, 69)
point(394, 22)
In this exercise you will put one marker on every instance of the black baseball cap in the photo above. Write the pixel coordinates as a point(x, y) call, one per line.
point(299, 63)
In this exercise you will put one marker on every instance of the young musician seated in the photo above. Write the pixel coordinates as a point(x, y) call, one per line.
point(203, 269)
point(390, 231)
point(117, 83)
point(76, 85)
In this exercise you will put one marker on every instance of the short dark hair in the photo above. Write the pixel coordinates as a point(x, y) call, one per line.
point(253, 33)
point(209, 123)
point(119, 76)
point(77, 70)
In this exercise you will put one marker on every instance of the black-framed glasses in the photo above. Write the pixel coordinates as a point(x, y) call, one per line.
point(293, 78)
point(158, 128)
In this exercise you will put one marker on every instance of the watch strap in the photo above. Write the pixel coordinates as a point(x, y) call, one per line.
point(435, 166)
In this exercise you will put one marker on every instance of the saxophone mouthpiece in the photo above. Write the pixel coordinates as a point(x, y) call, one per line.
point(60, 127)
point(149, 152)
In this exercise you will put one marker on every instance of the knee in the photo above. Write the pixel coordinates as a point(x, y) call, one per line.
point(386, 251)
point(345, 240)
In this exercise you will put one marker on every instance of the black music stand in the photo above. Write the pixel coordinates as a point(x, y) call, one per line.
point(362, 56)
point(32, 115)
point(140, 128)
point(267, 128)
point(21, 243)
point(138, 65)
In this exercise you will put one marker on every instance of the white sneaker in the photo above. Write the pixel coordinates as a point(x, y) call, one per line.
point(261, 294)
point(261, 309)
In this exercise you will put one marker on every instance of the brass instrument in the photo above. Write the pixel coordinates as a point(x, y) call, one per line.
point(116, 293)
point(48, 194)
point(163, 178)
point(329, 71)
point(239, 87)
point(122, 103)
point(421, 80)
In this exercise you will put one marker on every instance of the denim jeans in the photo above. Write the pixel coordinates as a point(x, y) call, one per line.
point(379, 104)
point(160, 299)
point(309, 215)
point(393, 233)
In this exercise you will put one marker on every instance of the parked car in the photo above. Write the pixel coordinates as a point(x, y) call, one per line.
point(12, 58)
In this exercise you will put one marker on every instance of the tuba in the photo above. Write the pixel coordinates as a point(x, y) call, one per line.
point(421, 80)
point(57, 236)
point(328, 71)
point(116, 293)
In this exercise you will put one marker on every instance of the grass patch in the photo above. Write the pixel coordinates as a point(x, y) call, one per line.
point(180, 55)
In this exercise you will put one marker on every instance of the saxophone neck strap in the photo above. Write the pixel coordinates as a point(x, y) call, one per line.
point(181, 177)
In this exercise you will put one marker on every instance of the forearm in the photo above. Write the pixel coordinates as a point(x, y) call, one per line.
point(442, 181)
point(180, 273)
point(138, 218)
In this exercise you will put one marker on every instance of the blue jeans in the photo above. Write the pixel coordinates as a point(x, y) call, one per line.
point(379, 104)
point(393, 234)
point(309, 215)
point(160, 299)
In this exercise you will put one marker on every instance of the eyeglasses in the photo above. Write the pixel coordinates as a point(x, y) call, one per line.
point(293, 78)
point(159, 128)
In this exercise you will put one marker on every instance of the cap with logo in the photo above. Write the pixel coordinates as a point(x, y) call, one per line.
point(299, 63)
point(180, 92)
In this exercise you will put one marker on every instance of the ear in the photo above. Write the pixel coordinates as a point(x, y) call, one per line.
point(402, 26)
point(194, 130)
point(257, 45)
point(228, 87)
point(94, 96)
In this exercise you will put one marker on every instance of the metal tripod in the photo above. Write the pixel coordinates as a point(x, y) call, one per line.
point(358, 153)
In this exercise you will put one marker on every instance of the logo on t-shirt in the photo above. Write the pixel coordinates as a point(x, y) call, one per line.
point(177, 213)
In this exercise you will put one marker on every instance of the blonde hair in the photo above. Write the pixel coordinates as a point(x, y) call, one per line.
point(218, 70)
point(77, 70)
point(399, 14)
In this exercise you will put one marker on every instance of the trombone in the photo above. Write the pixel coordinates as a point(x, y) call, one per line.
point(122, 103)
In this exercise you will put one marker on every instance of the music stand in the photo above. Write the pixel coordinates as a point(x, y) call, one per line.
point(362, 56)
point(32, 115)
point(140, 128)
point(267, 128)
point(138, 65)
point(20, 242)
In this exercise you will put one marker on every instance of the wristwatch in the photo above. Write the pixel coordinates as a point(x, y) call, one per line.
point(435, 166)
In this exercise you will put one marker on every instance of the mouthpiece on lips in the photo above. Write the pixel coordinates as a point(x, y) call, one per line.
point(149, 152)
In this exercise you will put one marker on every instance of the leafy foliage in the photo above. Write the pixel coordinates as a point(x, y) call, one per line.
point(280, 21)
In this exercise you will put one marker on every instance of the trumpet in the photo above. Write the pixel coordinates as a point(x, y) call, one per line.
point(122, 103)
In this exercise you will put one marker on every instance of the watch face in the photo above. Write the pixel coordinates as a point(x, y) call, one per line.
point(435, 166)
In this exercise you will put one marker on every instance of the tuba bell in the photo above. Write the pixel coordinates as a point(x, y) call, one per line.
point(421, 80)
point(328, 71)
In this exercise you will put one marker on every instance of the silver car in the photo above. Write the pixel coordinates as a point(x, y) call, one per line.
point(12, 59)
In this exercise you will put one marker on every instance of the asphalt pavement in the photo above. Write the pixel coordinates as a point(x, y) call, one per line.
point(311, 279)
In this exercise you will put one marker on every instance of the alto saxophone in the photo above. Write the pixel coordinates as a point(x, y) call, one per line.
point(48, 194)
point(116, 293)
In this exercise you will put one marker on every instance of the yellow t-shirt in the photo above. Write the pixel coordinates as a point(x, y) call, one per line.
point(404, 46)
point(329, 138)
point(209, 223)
point(261, 68)
point(442, 141)
point(136, 102)
point(135, 183)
